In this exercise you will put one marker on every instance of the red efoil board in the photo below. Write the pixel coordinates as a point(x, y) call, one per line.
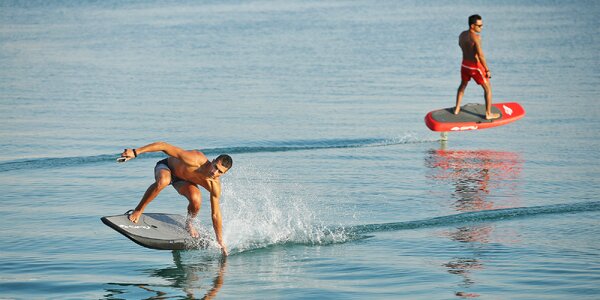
point(472, 117)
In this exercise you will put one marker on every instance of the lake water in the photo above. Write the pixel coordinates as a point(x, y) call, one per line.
point(338, 190)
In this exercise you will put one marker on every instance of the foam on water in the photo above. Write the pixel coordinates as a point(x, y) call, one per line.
point(259, 216)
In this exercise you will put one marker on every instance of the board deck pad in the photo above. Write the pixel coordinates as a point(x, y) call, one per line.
point(156, 231)
point(472, 117)
point(468, 113)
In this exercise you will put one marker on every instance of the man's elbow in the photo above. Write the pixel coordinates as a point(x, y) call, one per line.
point(160, 145)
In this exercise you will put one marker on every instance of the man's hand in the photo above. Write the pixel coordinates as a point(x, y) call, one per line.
point(488, 74)
point(224, 249)
point(127, 155)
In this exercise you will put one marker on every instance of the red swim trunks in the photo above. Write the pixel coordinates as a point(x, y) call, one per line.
point(475, 70)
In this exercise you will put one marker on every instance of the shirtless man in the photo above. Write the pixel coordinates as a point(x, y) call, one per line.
point(185, 170)
point(474, 66)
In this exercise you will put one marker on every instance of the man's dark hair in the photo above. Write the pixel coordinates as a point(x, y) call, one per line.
point(473, 19)
point(225, 160)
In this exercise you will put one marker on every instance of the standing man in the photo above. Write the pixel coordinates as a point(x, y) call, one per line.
point(474, 66)
point(185, 170)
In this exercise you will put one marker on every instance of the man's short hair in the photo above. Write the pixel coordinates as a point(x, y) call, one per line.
point(225, 160)
point(473, 19)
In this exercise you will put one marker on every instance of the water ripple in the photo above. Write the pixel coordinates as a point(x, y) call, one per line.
point(65, 162)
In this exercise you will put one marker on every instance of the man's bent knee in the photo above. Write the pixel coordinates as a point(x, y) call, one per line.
point(194, 196)
point(162, 177)
point(195, 199)
point(194, 206)
point(163, 181)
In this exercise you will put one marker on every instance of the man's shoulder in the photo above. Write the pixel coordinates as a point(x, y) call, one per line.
point(464, 33)
point(473, 36)
point(214, 187)
point(197, 152)
point(200, 157)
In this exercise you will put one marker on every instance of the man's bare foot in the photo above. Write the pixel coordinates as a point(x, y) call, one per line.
point(193, 232)
point(491, 116)
point(457, 110)
point(135, 216)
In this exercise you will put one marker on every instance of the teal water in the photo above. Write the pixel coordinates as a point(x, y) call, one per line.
point(338, 190)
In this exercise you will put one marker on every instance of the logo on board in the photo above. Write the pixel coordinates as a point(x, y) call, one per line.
point(134, 227)
point(507, 110)
point(463, 128)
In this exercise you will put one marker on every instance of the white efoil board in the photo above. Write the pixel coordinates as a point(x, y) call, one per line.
point(156, 231)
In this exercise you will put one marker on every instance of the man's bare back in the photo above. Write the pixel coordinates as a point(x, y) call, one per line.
point(467, 42)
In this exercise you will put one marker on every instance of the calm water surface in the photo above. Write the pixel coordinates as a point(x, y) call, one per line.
point(338, 190)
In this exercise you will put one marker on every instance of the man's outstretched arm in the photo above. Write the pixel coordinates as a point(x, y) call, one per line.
point(192, 158)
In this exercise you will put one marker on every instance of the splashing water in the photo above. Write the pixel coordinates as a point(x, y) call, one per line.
point(257, 216)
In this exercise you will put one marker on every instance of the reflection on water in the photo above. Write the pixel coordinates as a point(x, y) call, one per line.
point(462, 266)
point(201, 279)
point(476, 178)
point(470, 234)
point(475, 174)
